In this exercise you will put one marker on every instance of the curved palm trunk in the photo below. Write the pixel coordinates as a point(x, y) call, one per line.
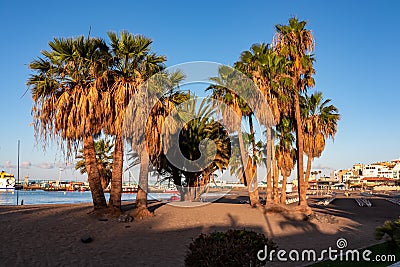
point(116, 179)
point(141, 196)
point(308, 171)
point(269, 166)
point(299, 144)
point(99, 201)
point(283, 192)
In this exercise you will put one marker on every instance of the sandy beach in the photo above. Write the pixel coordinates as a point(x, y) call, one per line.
point(50, 235)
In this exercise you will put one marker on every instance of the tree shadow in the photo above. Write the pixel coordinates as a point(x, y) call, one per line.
point(152, 206)
point(164, 239)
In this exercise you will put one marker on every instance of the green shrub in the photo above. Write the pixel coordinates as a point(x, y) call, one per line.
point(391, 229)
point(231, 248)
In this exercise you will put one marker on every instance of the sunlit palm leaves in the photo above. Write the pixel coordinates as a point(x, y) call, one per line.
point(320, 120)
point(285, 153)
point(133, 63)
point(67, 87)
point(194, 124)
point(296, 44)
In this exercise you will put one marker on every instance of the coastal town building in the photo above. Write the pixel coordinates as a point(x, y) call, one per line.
point(374, 175)
point(338, 175)
point(357, 168)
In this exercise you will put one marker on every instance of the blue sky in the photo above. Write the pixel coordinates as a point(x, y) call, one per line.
point(356, 51)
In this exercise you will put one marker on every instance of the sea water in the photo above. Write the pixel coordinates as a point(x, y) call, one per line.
point(65, 197)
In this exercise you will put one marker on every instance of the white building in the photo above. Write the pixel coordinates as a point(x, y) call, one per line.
point(396, 171)
point(347, 176)
point(384, 170)
point(371, 170)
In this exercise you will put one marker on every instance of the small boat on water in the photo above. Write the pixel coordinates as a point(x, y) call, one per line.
point(129, 189)
point(7, 181)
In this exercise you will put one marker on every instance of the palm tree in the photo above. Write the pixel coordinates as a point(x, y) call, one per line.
point(268, 70)
point(295, 42)
point(104, 149)
point(221, 91)
point(319, 122)
point(203, 158)
point(133, 63)
point(285, 153)
point(67, 90)
point(147, 112)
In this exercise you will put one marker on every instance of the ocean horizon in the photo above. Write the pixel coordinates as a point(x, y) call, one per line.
point(36, 197)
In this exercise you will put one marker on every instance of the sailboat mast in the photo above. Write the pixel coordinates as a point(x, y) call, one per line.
point(17, 174)
point(18, 163)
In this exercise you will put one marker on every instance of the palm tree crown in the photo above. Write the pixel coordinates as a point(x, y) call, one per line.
point(320, 120)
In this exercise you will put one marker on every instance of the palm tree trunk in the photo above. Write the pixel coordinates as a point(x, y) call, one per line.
point(269, 166)
point(247, 172)
point(243, 154)
point(103, 176)
point(283, 192)
point(276, 182)
point(99, 201)
point(141, 196)
point(308, 171)
point(116, 180)
point(253, 139)
point(299, 144)
point(253, 183)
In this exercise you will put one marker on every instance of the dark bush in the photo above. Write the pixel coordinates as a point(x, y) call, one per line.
point(391, 229)
point(231, 248)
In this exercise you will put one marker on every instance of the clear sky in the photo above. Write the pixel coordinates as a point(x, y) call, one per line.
point(357, 44)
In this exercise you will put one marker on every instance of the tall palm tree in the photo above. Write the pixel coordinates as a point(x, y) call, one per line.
point(221, 92)
point(104, 150)
point(67, 90)
point(320, 120)
point(285, 153)
point(268, 70)
point(295, 42)
point(133, 63)
point(147, 112)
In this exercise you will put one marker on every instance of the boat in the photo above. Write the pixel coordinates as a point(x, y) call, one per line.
point(129, 189)
point(7, 181)
point(174, 198)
